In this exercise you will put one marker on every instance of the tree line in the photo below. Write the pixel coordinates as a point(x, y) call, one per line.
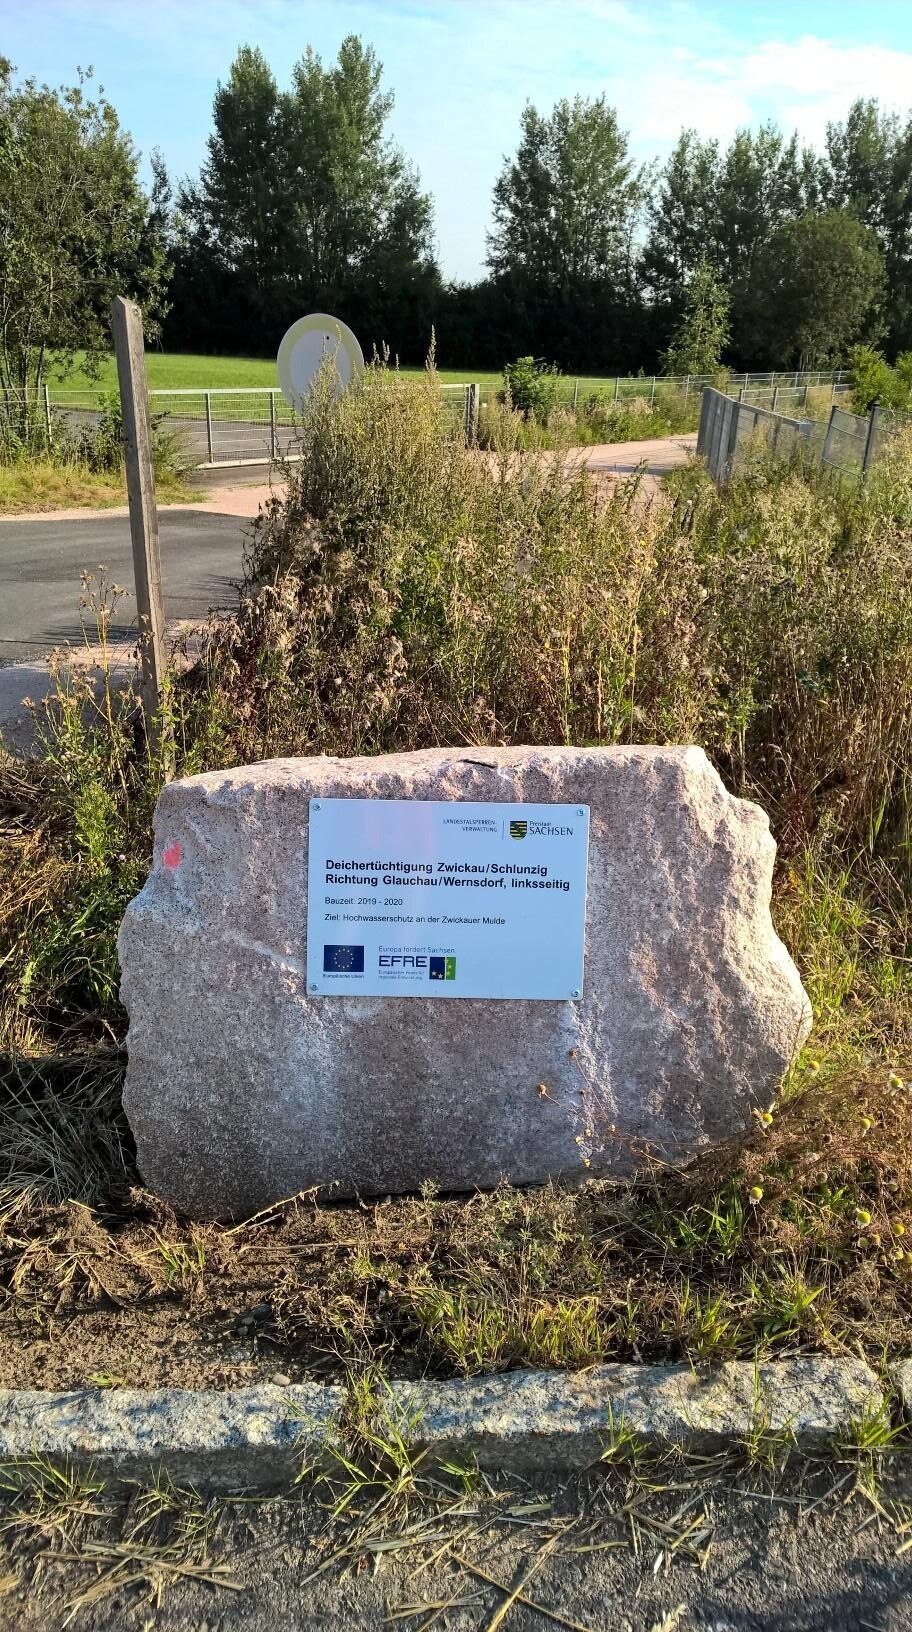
point(779, 254)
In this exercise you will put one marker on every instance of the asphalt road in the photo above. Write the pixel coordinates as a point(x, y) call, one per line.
point(773, 1560)
point(41, 562)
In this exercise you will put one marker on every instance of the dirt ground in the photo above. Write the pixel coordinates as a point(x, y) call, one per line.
point(147, 1305)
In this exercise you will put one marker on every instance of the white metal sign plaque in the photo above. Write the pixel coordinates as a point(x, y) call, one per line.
point(422, 898)
point(305, 347)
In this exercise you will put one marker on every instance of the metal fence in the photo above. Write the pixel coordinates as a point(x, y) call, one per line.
point(653, 389)
point(253, 425)
point(229, 426)
point(732, 427)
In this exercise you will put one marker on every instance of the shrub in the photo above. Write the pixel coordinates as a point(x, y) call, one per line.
point(409, 593)
point(874, 381)
point(596, 419)
point(98, 445)
point(95, 445)
point(530, 386)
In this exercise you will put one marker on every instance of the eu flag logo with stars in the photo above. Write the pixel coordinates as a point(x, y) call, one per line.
point(442, 969)
point(343, 960)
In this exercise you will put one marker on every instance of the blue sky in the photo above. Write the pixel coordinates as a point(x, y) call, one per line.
point(461, 70)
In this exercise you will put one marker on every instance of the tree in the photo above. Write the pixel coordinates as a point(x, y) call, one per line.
point(760, 186)
point(303, 202)
point(564, 208)
point(703, 332)
point(868, 170)
point(682, 219)
point(859, 163)
point(817, 289)
point(236, 218)
point(722, 209)
point(76, 229)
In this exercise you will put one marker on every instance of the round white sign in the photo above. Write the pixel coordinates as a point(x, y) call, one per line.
point(304, 348)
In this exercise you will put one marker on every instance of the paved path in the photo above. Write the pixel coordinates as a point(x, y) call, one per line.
point(771, 1563)
point(659, 457)
point(41, 562)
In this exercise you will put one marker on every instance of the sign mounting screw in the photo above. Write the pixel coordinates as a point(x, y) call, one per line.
point(575, 992)
point(316, 805)
point(314, 987)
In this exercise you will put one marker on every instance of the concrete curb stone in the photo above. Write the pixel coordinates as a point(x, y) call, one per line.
point(901, 1378)
point(519, 1422)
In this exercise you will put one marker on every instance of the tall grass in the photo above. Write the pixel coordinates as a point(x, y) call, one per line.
point(409, 592)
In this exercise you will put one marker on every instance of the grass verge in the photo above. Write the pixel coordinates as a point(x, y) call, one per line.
point(32, 485)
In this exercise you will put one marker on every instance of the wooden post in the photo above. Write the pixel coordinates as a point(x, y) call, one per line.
point(47, 416)
point(471, 410)
point(126, 322)
point(208, 398)
point(273, 444)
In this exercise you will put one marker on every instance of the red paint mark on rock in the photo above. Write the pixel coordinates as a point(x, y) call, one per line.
point(173, 855)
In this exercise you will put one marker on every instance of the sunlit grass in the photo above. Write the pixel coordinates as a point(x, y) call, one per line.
point(31, 485)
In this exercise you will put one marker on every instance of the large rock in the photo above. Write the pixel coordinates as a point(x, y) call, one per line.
point(241, 1089)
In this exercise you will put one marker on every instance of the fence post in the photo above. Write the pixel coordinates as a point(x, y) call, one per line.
point(720, 427)
point(652, 395)
point(126, 322)
point(703, 424)
point(873, 423)
point(575, 394)
point(273, 445)
point(742, 391)
point(686, 388)
point(208, 396)
point(806, 388)
point(732, 445)
point(833, 390)
point(775, 399)
point(472, 408)
point(826, 435)
point(47, 415)
point(617, 384)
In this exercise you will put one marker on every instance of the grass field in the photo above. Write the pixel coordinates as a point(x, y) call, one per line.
point(170, 371)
